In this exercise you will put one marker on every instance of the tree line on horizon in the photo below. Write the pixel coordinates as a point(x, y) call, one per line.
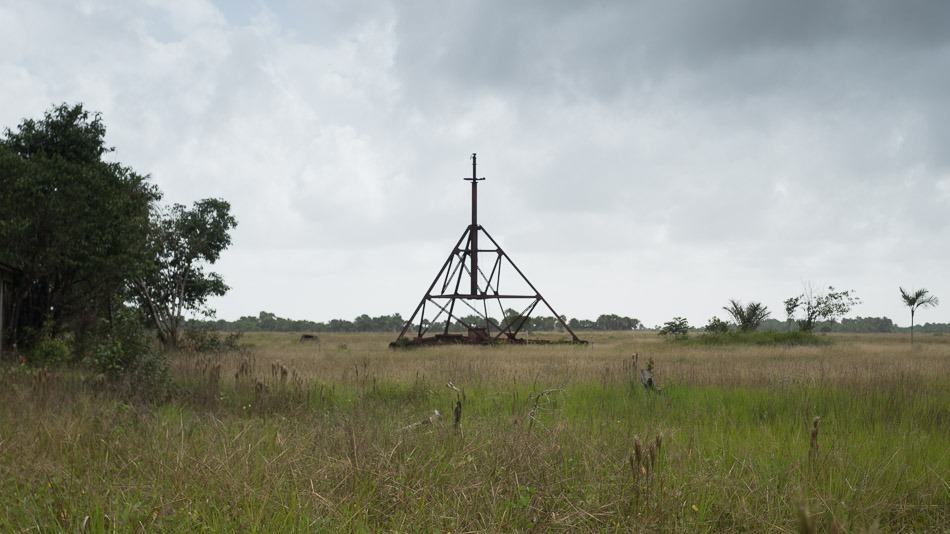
point(270, 322)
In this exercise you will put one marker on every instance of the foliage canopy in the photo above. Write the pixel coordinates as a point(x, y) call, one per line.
point(916, 299)
point(74, 225)
point(819, 306)
point(748, 317)
point(181, 241)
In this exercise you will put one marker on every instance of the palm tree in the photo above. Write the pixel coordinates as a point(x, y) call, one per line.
point(918, 298)
point(749, 317)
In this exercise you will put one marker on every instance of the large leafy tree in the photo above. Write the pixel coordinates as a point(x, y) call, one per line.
point(182, 243)
point(72, 223)
point(748, 317)
point(915, 299)
point(813, 306)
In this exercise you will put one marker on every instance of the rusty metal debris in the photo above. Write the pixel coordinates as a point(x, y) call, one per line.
point(447, 291)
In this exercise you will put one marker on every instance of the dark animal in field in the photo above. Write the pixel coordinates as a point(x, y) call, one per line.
point(309, 338)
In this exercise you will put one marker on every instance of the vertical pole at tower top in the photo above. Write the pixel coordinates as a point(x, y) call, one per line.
point(473, 229)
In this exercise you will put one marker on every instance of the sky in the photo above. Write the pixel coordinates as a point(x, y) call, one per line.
point(649, 159)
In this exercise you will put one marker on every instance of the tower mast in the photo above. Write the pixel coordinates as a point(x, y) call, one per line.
point(473, 228)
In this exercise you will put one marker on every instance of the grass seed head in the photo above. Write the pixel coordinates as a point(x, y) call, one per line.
point(813, 448)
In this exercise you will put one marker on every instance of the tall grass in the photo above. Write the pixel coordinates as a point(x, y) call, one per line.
point(787, 339)
point(547, 442)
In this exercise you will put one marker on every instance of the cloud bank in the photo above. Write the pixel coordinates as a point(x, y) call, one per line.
point(644, 158)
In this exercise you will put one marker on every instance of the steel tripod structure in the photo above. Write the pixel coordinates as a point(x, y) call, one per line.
point(447, 294)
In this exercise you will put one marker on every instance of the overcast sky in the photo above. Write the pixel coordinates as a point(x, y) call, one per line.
point(648, 159)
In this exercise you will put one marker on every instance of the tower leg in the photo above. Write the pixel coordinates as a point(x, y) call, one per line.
point(445, 265)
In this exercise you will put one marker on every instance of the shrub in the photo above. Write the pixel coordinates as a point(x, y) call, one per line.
point(675, 328)
point(126, 354)
point(716, 326)
point(206, 340)
point(48, 348)
point(147, 379)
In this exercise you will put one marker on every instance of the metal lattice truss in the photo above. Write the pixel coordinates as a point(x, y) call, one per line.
point(445, 302)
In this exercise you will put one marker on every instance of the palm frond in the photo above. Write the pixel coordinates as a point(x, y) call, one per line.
point(908, 298)
point(736, 310)
point(748, 317)
point(918, 298)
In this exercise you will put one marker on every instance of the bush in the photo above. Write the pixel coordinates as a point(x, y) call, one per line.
point(127, 356)
point(716, 326)
point(206, 340)
point(677, 327)
point(148, 378)
point(48, 348)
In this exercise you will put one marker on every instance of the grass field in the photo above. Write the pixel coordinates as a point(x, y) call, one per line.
point(551, 438)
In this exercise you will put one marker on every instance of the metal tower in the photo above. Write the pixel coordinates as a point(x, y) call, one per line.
point(443, 299)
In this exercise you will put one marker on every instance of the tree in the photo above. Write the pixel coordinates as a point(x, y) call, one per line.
point(716, 326)
point(512, 319)
point(181, 242)
point(74, 225)
point(616, 322)
point(675, 328)
point(914, 299)
point(749, 317)
point(825, 306)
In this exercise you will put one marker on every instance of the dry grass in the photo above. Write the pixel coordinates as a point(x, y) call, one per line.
point(850, 359)
point(342, 436)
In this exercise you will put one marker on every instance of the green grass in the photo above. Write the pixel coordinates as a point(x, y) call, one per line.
point(329, 452)
point(791, 339)
point(739, 455)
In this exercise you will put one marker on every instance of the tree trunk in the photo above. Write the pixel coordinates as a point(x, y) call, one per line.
point(14, 321)
point(174, 328)
point(911, 328)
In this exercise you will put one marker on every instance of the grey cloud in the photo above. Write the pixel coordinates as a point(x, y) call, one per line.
point(762, 143)
point(484, 43)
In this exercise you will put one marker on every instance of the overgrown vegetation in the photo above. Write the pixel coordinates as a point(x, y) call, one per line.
point(73, 225)
point(114, 417)
point(794, 338)
point(560, 438)
point(93, 255)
